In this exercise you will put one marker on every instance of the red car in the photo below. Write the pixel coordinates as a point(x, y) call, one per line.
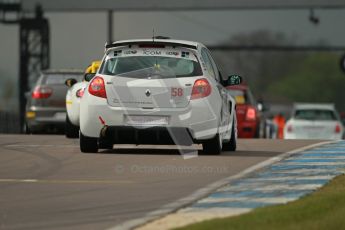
point(248, 115)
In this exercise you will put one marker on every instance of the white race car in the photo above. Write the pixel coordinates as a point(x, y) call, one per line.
point(158, 91)
point(314, 121)
point(73, 95)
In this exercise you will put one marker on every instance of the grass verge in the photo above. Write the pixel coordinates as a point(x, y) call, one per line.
point(323, 209)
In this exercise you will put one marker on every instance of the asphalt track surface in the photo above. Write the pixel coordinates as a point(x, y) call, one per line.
point(47, 183)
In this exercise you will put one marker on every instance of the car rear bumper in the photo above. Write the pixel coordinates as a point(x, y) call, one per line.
point(247, 129)
point(40, 117)
point(312, 137)
point(151, 135)
point(198, 118)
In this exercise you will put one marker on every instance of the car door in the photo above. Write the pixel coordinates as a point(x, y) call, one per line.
point(225, 107)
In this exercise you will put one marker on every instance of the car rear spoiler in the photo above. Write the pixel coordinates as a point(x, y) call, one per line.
point(148, 43)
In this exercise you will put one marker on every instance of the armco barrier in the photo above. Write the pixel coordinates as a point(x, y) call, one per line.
point(9, 122)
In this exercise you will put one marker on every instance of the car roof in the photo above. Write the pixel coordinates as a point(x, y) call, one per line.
point(322, 106)
point(190, 44)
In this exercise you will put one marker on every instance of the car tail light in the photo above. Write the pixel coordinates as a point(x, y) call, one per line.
point(289, 129)
point(337, 129)
point(97, 87)
point(41, 92)
point(250, 114)
point(80, 92)
point(201, 88)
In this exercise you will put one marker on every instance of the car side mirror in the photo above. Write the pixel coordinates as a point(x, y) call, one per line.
point(233, 80)
point(70, 82)
point(89, 76)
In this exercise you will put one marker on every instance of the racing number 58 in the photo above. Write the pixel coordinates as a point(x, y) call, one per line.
point(176, 92)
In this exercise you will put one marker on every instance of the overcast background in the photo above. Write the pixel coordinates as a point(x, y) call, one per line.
point(79, 38)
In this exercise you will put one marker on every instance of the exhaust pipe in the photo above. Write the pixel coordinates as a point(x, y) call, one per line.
point(104, 131)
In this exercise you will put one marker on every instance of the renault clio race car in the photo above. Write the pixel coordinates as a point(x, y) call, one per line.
point(158, 91)
point(73, 95)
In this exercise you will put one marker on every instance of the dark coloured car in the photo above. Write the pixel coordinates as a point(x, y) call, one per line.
point(248, 115)
point(46, 104)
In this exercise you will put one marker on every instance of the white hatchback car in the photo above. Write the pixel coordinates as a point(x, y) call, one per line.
point(159, 91)
point(73, 95)
point(314, 121)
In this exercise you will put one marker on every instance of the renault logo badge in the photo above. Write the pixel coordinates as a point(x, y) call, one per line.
point(148, 93)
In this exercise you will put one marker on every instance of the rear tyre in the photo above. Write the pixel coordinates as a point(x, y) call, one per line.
point(88, 144)
point(232, 144)
point(212, 146)
point(71, 131)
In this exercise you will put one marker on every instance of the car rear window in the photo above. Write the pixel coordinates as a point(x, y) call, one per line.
point(315, 114)
point(59, 79)
point(151, 64)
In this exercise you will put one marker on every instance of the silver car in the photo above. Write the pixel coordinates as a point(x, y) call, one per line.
point(46, 105)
